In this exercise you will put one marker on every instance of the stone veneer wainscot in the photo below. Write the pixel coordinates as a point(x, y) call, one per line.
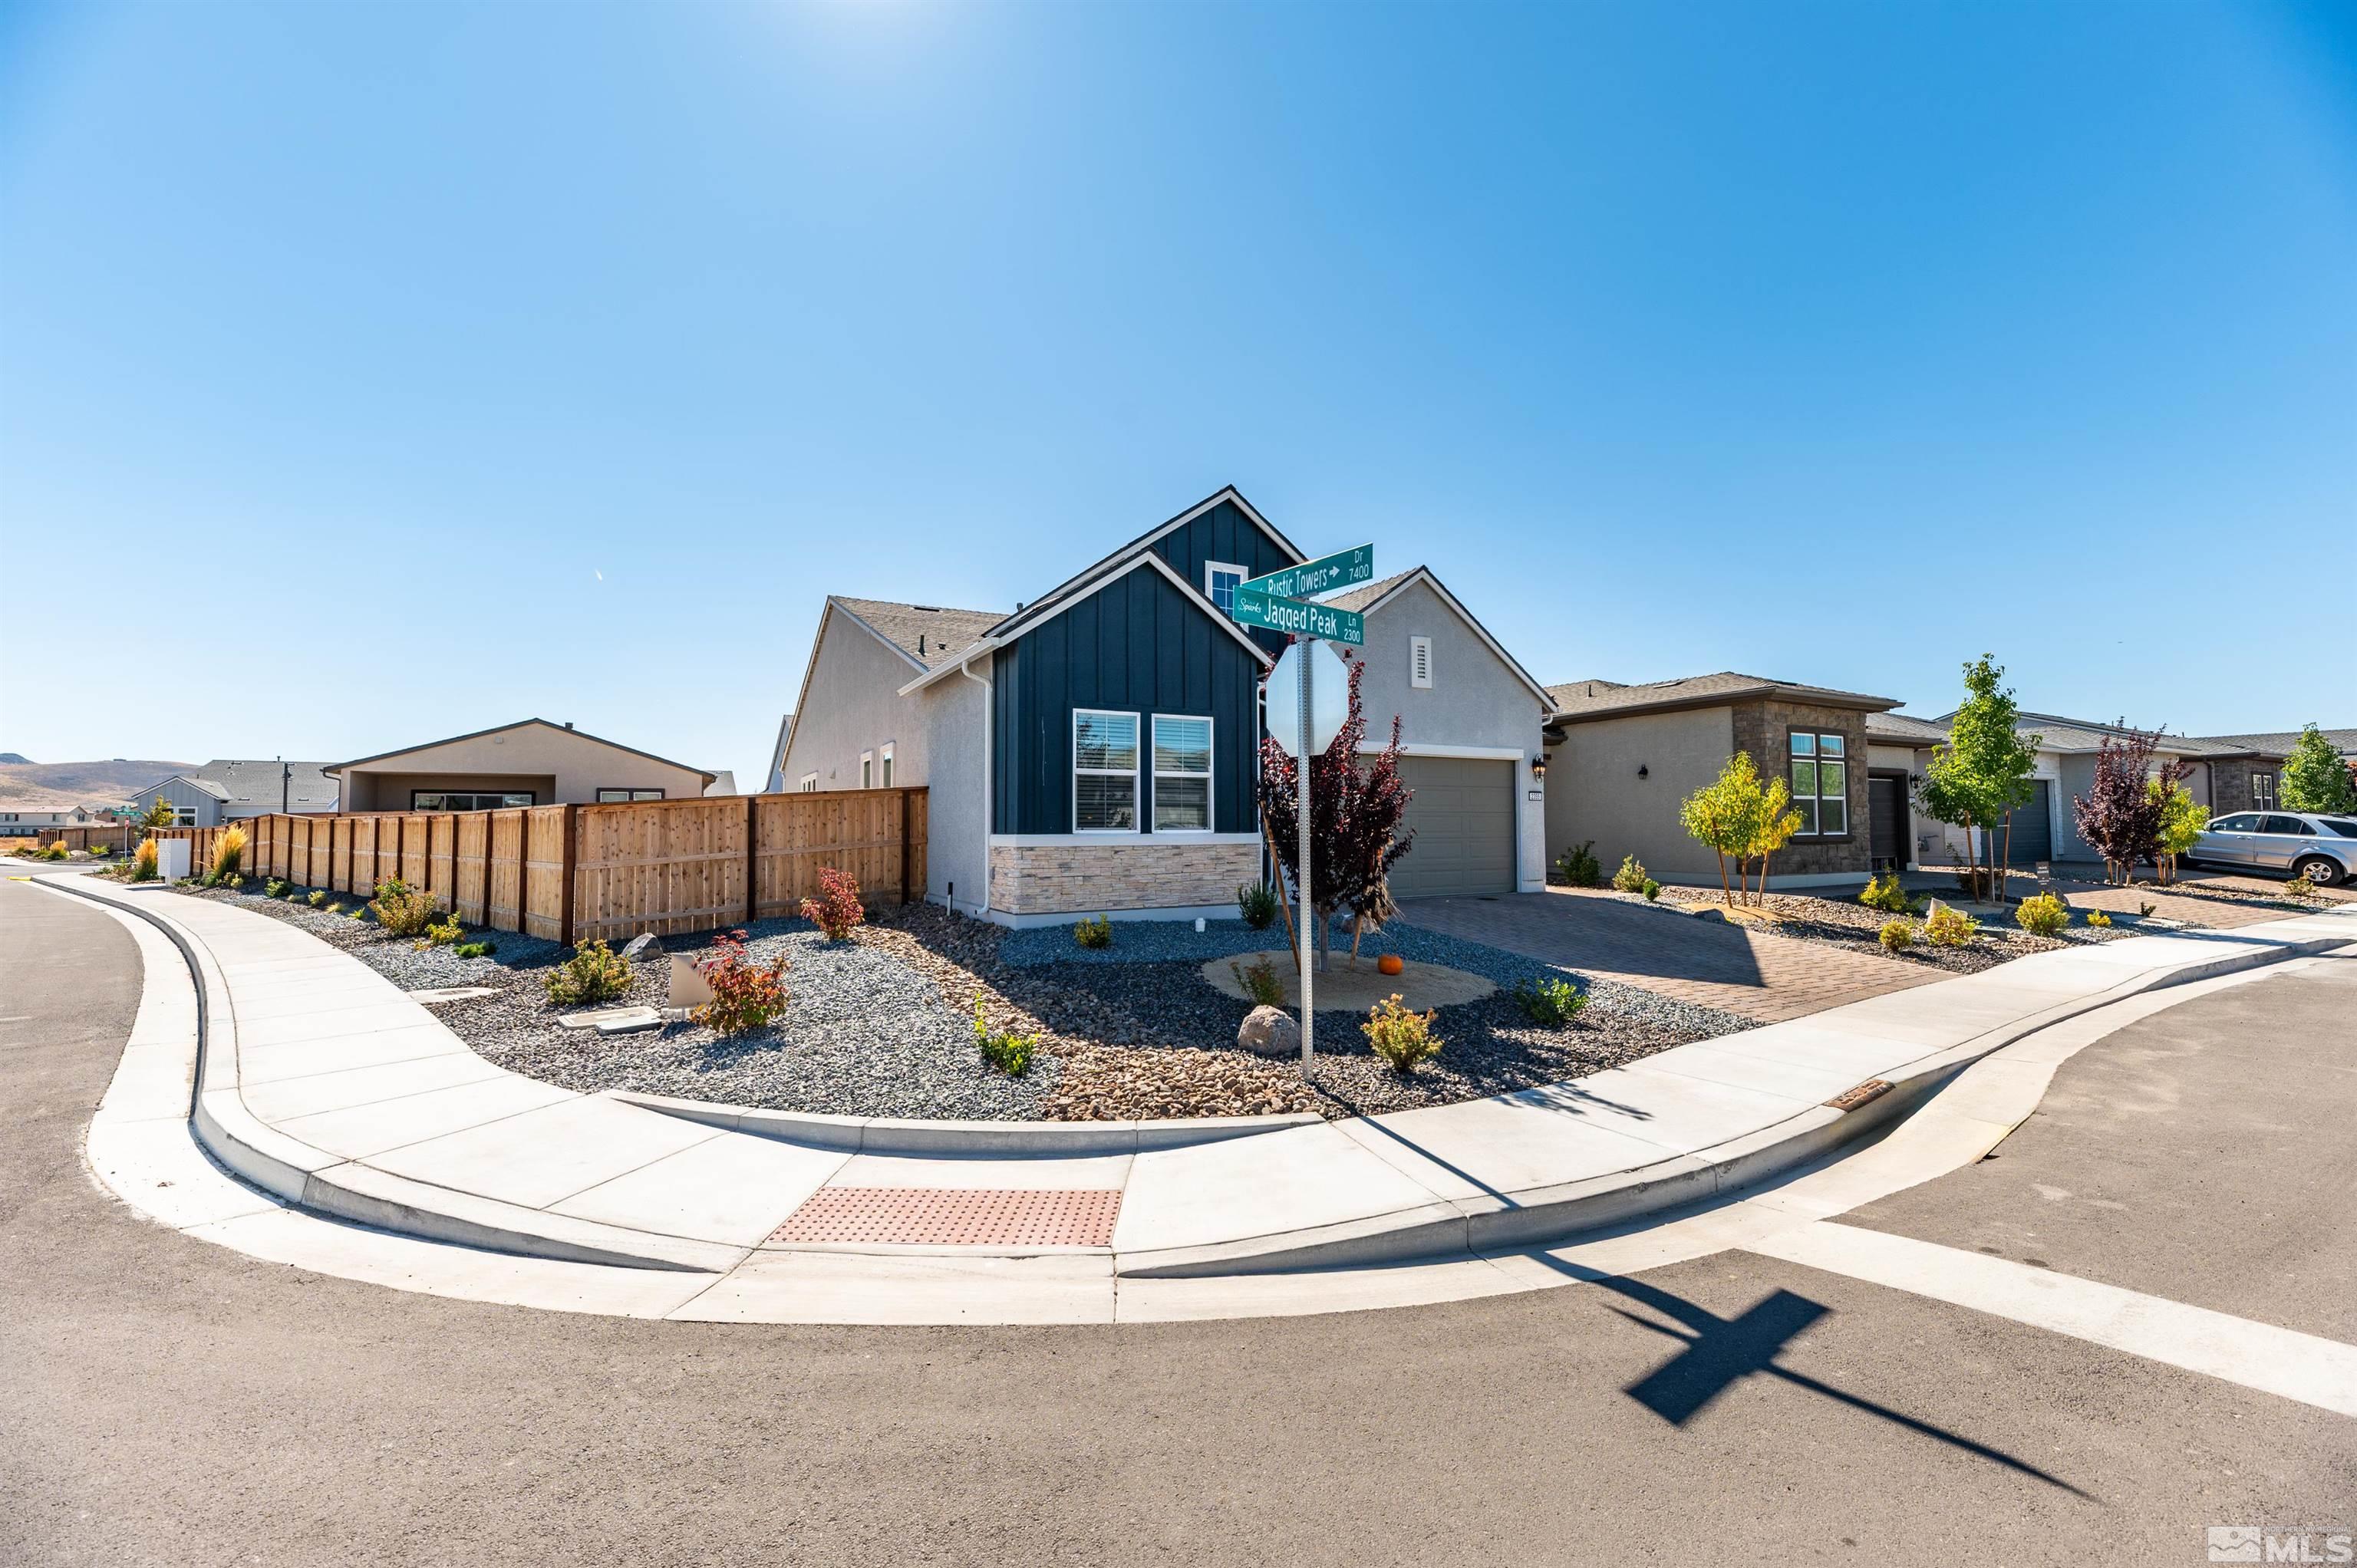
point(1079, 877)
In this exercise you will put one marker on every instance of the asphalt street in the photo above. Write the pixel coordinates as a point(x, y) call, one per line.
point(165, 1400)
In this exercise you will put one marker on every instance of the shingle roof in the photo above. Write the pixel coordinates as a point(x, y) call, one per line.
point(1365, 594)
point(2279, 743)
point(2057, 732)
point(1588, 699)
point(254, 780)
point(1904, 728)
point(930, 634)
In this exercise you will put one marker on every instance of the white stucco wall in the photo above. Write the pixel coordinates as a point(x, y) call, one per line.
point(852, 705)
point(1476, 706)
point(955, 716)
point(1593, 790)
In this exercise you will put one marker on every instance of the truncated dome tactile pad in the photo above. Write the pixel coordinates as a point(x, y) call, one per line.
point(954, 1217)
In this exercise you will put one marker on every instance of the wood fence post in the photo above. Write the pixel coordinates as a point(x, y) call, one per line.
point(566, 857)
point(904, 847)
point(752, 857)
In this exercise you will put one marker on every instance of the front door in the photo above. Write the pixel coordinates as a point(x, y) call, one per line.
point(1885, 817)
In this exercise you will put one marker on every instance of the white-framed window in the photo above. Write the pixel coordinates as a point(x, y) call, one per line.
point(886, 754)
point(456, 800)
point(810, 783)
point(1104, 771)
point(1182, 774)
point(2263, 790)
point(868, 770)
point(607, 797)
point(1419, 662)
point(1220, 580)
point(1821, 783)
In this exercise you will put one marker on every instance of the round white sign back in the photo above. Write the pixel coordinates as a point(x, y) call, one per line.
point(1329, 697)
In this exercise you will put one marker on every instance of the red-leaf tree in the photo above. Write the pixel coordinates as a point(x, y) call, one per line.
point(2119, 815)
point(1354, 819)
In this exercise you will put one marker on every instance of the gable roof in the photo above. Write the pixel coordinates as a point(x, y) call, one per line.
point(1368, 597)
point(191, 779)
point(929, 635)
point(1905, 728)
point(336, 771)
point(1094, 577)
point(1015, 626)
point(255, 781)
point(1576, 700)
point(777, 780)
point(2279, 743)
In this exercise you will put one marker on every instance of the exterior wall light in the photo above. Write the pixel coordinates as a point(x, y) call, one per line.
point(1641, 770)
point(1538, 767)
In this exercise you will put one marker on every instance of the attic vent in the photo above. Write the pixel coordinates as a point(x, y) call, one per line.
point(1420, 662)
point(921, 642)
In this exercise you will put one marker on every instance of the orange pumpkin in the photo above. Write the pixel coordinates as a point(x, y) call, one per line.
point(1389, 964)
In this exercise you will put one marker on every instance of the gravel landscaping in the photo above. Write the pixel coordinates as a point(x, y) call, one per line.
point(882, 1024)
point(1846, 923)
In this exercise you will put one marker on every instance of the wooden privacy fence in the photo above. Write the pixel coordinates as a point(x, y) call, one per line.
point(97, 835)
point(572, 874)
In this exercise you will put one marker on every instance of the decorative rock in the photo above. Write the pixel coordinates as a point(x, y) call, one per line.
point(598, 1018)
point(1267, 1032)
point(637, 944)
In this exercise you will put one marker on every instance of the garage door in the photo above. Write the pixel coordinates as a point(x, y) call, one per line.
point(1463, 814)
point(2033, 831)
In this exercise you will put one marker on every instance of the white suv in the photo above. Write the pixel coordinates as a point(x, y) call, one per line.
point(2322, 849)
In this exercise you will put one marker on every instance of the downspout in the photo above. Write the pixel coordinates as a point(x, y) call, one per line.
point(989, 721)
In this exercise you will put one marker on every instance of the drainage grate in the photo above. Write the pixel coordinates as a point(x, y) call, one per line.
point(954, 1217)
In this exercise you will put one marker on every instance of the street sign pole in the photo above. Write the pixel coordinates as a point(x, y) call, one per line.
point(1301, 762)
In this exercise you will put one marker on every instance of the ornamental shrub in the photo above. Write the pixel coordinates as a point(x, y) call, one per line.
point(1949, 926)
point(2301, 887)
point(1652, 890)
point(143, 864)
point(274, 888)
point(1631, 877)
point(229, 852)
point(1257, 904)
point(441, 933)
point(1549, 1001)
point(1093, 933)
point(401, 909)
point(594, 973)
point(745, 994)
point(318, 899)
point(1897, 936)
point(837, 908)
point(1403, 1039)
point(1577, 865)
point(57, 851)
point(1884, 893)
point(476, 950)
point(2044, 916)
point(1009, 1053)
point(1261, 982)
point(2097, 918)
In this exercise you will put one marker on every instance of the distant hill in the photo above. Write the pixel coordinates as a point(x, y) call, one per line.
point(14, 757)
point(50, 786)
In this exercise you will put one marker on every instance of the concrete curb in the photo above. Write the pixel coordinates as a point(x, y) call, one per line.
point(909, 1136)
point(323, 1183)
point(1547, 1216)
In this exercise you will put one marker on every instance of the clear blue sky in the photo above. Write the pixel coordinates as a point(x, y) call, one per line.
point(454, 364)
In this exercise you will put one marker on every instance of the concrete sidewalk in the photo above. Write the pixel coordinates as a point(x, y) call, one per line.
point(324, 1084)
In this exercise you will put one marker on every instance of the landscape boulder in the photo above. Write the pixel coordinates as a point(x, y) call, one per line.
point(1269, 1032)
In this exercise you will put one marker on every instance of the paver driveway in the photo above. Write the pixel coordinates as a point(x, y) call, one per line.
point(1706, 961)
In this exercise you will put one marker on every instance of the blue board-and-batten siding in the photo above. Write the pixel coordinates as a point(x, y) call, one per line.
point(1138, 645)
point(1224, 533)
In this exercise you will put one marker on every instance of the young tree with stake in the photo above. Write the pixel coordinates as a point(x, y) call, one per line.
point(1982, 775)
point(1354, 819)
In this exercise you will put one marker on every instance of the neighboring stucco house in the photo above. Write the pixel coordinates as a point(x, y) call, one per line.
point(26, 820)
point(776, 781)
point(1097, 750)
point(232, 788)
point(528, 763)
point(2063, 769)
point(1621, 758)
point(1469, 721)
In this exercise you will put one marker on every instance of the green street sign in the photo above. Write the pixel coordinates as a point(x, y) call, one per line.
point(1323, 575)
point(1253, 608)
